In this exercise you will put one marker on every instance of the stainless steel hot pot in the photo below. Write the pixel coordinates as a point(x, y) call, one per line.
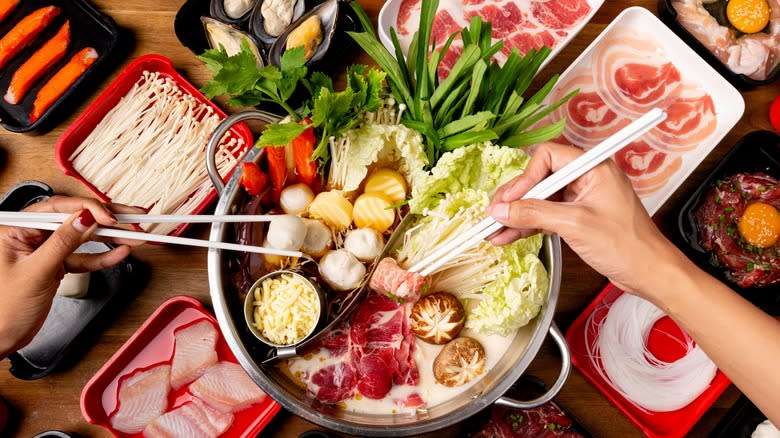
point(490, 389)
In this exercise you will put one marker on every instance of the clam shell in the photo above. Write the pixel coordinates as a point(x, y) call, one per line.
point(217, 10)
point(328, 13)
point(257, 25)
point(230, 37)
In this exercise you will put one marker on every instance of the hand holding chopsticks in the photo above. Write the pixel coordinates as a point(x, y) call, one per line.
point(546, 188)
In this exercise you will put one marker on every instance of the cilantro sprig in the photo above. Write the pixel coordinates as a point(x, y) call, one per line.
point(329, 112)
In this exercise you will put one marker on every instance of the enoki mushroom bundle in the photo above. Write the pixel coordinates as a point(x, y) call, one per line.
point(149, 150)
point(619, 354)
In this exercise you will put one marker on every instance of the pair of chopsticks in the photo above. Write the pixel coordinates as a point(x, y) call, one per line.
point(546, 188)
point(51, 221)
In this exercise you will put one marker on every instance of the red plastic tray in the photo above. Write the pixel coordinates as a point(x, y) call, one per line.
point(151, 344)
point(654, 424)
point(107, 100)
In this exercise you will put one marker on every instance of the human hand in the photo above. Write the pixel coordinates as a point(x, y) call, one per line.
point(598, 216)
point(32, 263)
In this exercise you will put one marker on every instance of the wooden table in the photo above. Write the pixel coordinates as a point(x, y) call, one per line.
point(53, 402)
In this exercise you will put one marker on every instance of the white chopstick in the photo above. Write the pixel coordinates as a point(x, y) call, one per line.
point(546, 188)
point(31, 216)
point(149, 237)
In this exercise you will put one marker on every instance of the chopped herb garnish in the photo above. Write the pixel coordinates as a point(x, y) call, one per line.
point(730, 231)
point(722, 218)
point(719, 183)
point(717, 199)
point(714, 227)
point(761, 188)
point(728, 210)
point(766, 266)
point(395, 298)
point(749, 267)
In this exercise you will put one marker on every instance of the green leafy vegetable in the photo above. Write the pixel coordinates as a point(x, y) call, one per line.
point(478, 101)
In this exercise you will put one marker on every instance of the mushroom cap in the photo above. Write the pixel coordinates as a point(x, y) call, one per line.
point(460, 361)
point(437, 318)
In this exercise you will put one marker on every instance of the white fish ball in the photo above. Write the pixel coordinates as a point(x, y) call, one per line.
point(341, 270)
point(318, 238)
point(286, 232)
point(295, 199)
point(364, 243)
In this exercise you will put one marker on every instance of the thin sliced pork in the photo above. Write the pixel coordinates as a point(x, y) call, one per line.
point(143, 396)
point(227, 387)
point(648, 169)
point(690, 121)
point(392, 280)
point(194, 419)
point(195, 351)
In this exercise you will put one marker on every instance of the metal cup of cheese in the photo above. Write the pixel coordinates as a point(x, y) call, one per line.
point(249, 306)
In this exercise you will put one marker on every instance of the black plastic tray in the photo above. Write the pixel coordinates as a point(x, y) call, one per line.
point(72, 324)
point(740, 421)
point(758, 151)
point(189, 31)
point(89, 28)
point(668, 15)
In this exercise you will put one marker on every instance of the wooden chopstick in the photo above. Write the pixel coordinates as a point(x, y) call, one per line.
point(31, 216)
point(546, 188)
point(149, 237)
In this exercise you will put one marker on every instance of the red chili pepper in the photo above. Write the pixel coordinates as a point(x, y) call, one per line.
point(277, 169)
point(252, 178)
point(774, 113)
point(303, 147)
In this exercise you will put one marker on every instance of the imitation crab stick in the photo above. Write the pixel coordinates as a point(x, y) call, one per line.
point(38, 64)
point(25, 31)
point(61, 81)
point(6, 7)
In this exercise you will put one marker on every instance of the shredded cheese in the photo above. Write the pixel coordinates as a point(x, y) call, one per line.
point(286, 308)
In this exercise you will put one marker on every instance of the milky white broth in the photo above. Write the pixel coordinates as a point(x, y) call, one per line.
point(424, 354)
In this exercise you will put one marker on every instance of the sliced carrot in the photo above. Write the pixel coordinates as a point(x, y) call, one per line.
point(61, 81)
point(6, 7)
point(24, 32)
point(38, 64)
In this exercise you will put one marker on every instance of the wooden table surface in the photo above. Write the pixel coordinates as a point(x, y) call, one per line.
point(53, 402)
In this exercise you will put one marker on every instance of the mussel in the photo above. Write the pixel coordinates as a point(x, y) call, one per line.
point(229, 37)
point(314, 30)
point(270, 18)
point(231, 11)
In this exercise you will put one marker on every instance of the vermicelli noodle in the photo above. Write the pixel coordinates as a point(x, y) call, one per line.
point(619, 354)
point(148, 151)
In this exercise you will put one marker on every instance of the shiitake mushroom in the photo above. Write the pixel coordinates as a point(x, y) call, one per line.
point(460, 361)
point(437, 318)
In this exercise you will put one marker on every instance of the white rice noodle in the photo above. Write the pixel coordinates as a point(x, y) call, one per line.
point(620, 356)
point(149, 150)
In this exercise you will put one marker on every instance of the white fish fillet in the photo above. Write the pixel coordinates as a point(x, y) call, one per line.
point(142, 398)
point(192, 420)
point(194, 352)
point(225, 386)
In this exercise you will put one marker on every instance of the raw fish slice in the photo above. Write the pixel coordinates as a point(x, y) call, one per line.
point(192, 420)
point(61, 81)
point(24, 32)
point(194, 352)
point(38, 64)
point(225, 386)
point(143, 396)
point(6, 7)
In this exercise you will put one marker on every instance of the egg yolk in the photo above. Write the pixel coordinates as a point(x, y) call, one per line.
point(760, 225)
point(748, 16)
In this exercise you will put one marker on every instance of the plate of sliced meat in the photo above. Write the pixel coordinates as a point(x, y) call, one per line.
point(520, 24)
point(635, 65)
point(176, 376)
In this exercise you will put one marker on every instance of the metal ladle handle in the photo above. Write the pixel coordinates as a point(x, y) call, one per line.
point(557, 336)
point(222, 129)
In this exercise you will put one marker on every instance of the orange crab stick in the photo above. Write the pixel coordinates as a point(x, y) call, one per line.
point(6, 7)
point(61, 81)
point(38, 64)
point(25, 31)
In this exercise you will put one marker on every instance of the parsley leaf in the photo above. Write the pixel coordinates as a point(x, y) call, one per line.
point(280, 134)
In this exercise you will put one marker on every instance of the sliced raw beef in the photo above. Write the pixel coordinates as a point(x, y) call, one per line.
point(194, 419)
point(406, 11)
point(505, 19)
point(450, 58)
point(367, 356)
point(560, 14)
point(690, 122)
point(525, 41)
point(227, 387)
point(444, 25)
point(194, 351)
point(143, 396)
point(390, 279)
point(634, 75)
point(647, 168)
point(589, 121)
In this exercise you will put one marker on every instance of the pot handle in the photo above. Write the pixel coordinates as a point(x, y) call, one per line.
point(216, 137)
point(557, 336)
